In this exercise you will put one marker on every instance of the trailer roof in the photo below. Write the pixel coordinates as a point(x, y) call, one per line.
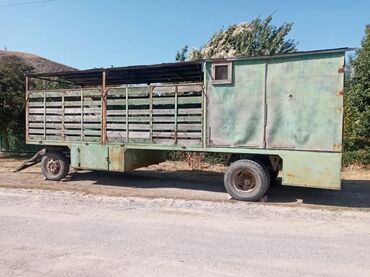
point(191, 71)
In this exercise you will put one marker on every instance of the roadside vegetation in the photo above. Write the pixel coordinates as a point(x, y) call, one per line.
point(357, 106)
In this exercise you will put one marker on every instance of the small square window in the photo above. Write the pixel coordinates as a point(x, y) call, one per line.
point(221, 73)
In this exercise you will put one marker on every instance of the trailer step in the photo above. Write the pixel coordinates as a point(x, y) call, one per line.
point(32, 161)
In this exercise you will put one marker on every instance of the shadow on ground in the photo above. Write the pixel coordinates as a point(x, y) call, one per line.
point(354, 193)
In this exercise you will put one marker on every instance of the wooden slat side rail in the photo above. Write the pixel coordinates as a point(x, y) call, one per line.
point(147, 114)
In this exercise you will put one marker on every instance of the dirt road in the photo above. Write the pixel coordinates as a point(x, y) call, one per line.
point(168, 220)
point(176, 180)
point(55, 233)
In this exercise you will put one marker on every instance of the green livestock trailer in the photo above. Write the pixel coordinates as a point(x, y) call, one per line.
point(267, 114)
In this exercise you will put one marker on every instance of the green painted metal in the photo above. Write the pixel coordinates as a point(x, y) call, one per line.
point(91, 156)
point(110, 157)
point(304, 103)
point(284, 103)
point(289, 106)
point(311, 169)
point(235, 112)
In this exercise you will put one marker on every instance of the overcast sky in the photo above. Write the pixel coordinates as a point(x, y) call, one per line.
point(94, 33)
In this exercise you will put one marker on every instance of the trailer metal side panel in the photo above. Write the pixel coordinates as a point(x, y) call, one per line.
point(236, 110)
point(112, 157)
point(283, 103)
point(304, 102)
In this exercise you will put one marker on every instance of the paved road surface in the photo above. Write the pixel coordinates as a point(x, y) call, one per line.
point(53, 233)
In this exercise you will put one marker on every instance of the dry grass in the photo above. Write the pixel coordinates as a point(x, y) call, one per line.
point(356, 172)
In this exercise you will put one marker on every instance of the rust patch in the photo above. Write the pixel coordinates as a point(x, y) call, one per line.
point(341, 70)
point(340, 93)
point(337, 147)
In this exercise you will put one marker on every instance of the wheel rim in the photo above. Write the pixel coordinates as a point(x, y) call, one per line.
point(244, 180)
point(53, 166)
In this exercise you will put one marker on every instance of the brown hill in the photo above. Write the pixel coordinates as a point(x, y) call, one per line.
point(40, 65)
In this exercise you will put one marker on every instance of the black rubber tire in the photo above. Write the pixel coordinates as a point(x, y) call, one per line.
point(256, 172)
point(60, 161)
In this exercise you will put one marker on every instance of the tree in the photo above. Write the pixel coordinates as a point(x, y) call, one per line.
point(182, 53)
point(12, 96)
point(357, 98)
point(259, 37)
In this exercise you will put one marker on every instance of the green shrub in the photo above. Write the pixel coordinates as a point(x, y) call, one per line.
point(361, 157)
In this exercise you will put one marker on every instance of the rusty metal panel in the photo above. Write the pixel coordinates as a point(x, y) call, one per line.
point(97, 157)
point(304, 105)
point(235, 111)
point(116, 158)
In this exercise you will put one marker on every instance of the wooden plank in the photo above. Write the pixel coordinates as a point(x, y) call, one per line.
point(179, 135)
point(180, 111)
point(47, 110)
point(117, 126)
point(116, 112)
point(90, 103)
point(190, 126)
point(182, 100)
point(190, 111)
point(122, 102)
point(113, 102)
point(67, 118)
point(41, 138)
point(85, 131)
point(85, 125)
point(133, 134)
point(156, 119)
point(116, 134)
point(166, 126)
point(43, 132)
point(48, 125)
point(139, 127)
point(133, 91)
point(113, 119)
point(68, 93)
point(75, 138)
point(181, 88)
point(84, 110)
point(179, 142)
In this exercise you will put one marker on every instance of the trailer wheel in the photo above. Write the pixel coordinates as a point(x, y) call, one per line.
point(54, 166)
point(246, 180)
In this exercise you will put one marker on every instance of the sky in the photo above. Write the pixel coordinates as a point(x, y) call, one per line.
point(96, 33)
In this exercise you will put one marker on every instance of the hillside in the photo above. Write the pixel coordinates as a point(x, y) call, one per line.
point(39, 64)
